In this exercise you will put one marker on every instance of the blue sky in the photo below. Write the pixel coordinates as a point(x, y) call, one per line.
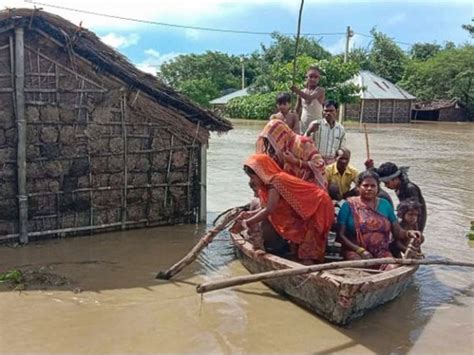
point(148, 45)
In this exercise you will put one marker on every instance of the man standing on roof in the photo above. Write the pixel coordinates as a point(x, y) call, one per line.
point(328, 135)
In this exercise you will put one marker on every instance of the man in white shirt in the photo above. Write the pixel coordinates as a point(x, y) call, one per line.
point(328, 135)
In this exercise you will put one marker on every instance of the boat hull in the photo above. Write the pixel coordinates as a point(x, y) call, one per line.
point(337, 295)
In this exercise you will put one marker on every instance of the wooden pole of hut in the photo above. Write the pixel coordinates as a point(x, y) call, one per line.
point(378, 111)
point(203, 183)
point(21, 127)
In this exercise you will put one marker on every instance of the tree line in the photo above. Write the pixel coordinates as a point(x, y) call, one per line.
point(428, 71)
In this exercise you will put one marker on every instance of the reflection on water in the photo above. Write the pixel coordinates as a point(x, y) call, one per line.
point(113, 303)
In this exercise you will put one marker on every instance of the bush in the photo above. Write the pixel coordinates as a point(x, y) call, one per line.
point(256, 106)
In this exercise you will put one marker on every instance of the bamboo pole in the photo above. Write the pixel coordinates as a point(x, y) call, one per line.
point(297, 42)
point(200, 245)
point(125, 159)
point(367, 141)
point(263, 276)
point(21, 125)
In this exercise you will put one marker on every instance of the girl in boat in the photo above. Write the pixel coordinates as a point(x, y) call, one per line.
point(396, 178)
point(408, 213)
point(298, 212)
point(366, 222)
point(294, 153)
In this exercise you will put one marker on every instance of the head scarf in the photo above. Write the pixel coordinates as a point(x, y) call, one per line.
point(283, 139)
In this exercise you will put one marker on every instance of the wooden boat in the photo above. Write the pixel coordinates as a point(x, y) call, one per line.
point(337, 295)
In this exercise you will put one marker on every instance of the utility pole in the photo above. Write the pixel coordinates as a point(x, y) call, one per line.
point(243, 71)
point(349, 34)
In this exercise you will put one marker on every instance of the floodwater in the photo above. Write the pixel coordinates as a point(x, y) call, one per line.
point(113, 304)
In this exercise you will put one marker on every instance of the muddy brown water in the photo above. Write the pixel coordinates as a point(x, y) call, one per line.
point(111, 302)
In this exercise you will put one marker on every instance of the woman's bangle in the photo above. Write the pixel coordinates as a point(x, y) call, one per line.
point(360, 250)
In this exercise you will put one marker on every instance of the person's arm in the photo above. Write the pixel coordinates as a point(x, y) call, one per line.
point(273, 198)
point(318, 94)
point(342, 142)
point(313, 127)
point(348, 244)
point(296, 123)
point(298, 107)
point(405, 235)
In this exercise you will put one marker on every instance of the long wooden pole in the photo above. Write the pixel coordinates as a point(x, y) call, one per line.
point(21, 133)
point(367, 141)
point(242, 280)
point(201, 244)
point(297, 42)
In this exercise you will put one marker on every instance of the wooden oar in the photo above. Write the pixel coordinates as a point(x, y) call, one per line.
point(203, 242)
point(242, 280)
point(367, 142)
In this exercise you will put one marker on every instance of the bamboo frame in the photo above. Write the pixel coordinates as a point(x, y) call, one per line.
point(21, 126)
point(123, 104)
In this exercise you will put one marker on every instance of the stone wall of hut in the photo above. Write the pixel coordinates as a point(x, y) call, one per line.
point(391, 111)
point(100, 156)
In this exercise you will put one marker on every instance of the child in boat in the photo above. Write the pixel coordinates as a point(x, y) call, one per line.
point(310, 100)
point(283, 102)
point(408, 212)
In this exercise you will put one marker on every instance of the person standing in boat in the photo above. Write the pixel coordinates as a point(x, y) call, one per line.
point(365, 222)
point(294, 153)
point(309, 104)
point(292, 210)
point(283, 102)
point(329, 135)
point(396, 178)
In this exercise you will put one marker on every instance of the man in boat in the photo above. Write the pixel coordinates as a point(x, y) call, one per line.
point(396, 178)
point(329, 135)
point(341, 175)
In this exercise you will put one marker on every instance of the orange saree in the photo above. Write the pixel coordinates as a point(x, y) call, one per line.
point(304, 213)
point(283, 139)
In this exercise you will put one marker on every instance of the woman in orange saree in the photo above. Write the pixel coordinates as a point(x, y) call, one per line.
point(295, 154)
point(300, 212)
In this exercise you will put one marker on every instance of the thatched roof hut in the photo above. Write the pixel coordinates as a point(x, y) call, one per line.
point(440, 110)
point(89, 142)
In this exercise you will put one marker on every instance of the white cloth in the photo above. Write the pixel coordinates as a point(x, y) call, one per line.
point(310, 112)
point(328, 140)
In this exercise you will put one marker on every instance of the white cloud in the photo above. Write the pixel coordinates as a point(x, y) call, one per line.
point(192, 34)
point(396, 19)
point(154, 59)
point(118, 41)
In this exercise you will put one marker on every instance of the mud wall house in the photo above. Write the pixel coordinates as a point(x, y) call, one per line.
point(440, 110)
point(87, 141)
point(380, 101)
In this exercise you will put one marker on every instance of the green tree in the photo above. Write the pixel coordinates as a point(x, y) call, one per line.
point(386, 57)
point(447, 75)
point(361, 57)
point(202, 76)
point(470, 29)
point(424, 51)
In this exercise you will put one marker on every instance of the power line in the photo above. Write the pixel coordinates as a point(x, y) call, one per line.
point(210, 29)
point(370, 36)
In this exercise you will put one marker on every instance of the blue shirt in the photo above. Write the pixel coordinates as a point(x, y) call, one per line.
point(345, 214)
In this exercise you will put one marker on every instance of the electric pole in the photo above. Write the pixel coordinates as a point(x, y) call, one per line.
point(349, 34)
point(243, 71)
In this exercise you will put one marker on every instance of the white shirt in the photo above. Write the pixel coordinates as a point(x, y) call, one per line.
point(328, 140)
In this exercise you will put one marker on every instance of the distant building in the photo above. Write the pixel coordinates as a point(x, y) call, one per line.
point(439, 110)
point(220, 102)
point(380, 101)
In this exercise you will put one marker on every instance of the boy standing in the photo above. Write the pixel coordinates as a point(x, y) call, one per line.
point(283, 102)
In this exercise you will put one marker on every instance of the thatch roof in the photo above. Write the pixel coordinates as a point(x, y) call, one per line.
point(87, 45)
point(436, 105)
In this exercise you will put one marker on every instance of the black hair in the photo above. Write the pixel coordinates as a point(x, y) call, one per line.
point(314, 67)
point(389, 168)
point(331, 103)
point(341, 151)
point(371, 173)
point(248, 170)
point(283, 98)
point(407, 205)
